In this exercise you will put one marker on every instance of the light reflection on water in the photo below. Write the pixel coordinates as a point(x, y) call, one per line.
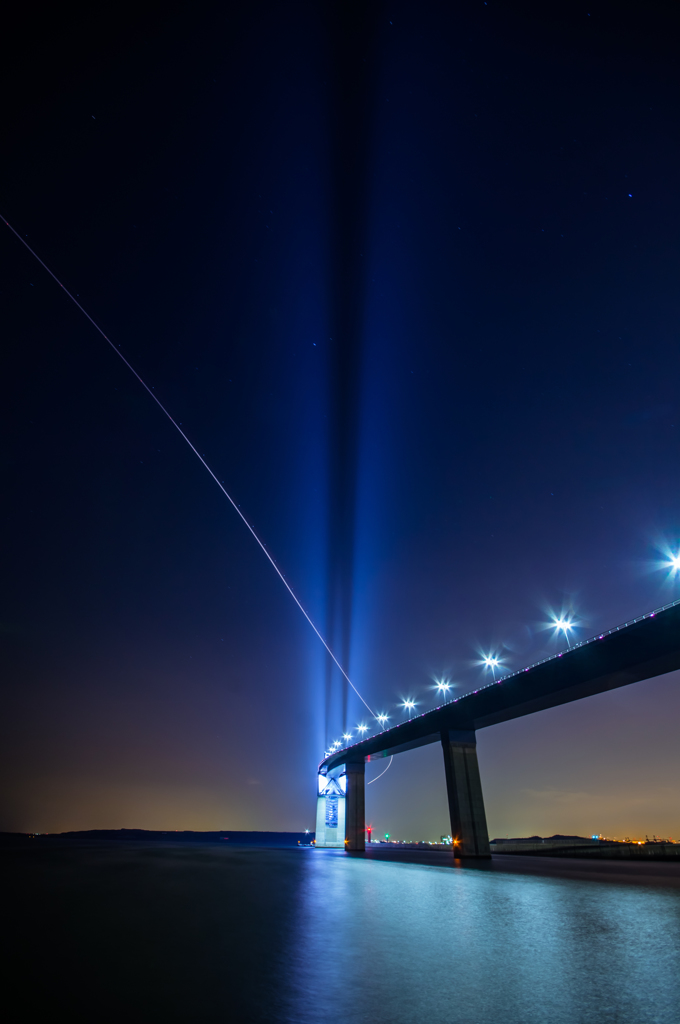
point(198, 932)
point(406, 942)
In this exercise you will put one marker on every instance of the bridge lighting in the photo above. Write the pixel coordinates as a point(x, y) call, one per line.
point(492, 662)
point(443, 687)
point(408, 705)
point(347, 736)
point(563, 625)
point(382, 718)
point(362, 729)
point(674, 562)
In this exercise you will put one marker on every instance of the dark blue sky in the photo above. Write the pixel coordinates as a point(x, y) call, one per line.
point(407, 275)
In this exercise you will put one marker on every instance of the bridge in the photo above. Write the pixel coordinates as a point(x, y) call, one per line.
point(645, 647)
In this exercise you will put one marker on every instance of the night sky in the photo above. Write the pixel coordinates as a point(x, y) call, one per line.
point(407, 274)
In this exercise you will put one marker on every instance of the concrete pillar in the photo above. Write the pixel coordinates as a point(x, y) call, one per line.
point(464, 787)
point(330, 812)
point(355, 813)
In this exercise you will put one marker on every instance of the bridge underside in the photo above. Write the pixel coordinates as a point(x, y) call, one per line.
point(647, 647)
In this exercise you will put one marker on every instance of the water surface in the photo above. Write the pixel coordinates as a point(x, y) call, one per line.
point(209, 933)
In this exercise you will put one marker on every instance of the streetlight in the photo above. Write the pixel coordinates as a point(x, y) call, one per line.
point(563, 625)
point(362, 729)
point(492, 662)
point(674, 562)
point(443, 687)
point(382, 719)
point(408, 705)
point(347, 736)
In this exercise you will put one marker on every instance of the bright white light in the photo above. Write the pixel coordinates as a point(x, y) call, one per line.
point(362, 728)
point(383, 718)
point(674, 562)
point(443, 687)
point(409, 705)
point(563, 624)
point(347, 736)
point(490, 661)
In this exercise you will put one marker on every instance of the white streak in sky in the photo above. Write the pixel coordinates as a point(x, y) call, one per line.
point(196, 453)
point(382, 772)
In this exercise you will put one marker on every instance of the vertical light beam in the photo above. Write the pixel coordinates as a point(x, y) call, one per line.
point(194, 450)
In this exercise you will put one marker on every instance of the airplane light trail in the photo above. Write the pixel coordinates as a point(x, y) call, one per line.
point(194, 450)
point(382, 772)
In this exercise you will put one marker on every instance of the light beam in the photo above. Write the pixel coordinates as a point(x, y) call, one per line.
point(196, 453)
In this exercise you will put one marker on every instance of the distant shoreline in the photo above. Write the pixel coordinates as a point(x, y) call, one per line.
point(231, 836)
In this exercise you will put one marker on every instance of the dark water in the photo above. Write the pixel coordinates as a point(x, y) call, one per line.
point(149, 933)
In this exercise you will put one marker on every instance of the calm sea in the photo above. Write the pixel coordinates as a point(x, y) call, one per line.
point(129, 932)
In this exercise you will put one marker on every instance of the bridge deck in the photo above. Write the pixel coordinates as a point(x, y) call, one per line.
point(646, 647)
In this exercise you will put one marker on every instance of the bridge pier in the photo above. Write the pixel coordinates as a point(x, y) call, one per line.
point(464, 788)
point(330, 811)
point(355, 808)
point(340, 809)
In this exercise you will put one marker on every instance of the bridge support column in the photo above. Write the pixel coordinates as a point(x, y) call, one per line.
point(340, 813)
point(355, 812)
point(330, 812)
point(464, 787)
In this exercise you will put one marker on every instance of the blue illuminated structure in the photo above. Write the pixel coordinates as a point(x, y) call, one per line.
point(645, 647)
